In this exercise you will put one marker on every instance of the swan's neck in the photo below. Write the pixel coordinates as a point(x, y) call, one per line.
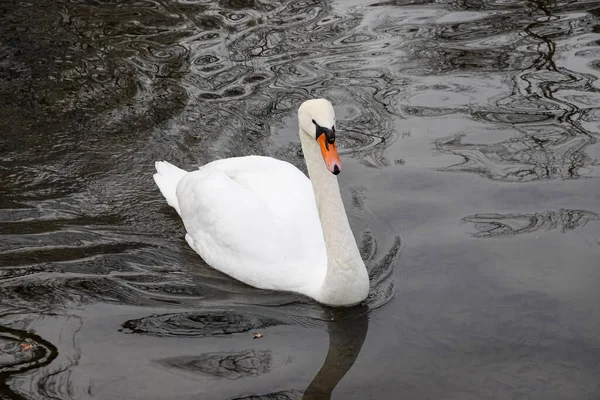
point(346, 281)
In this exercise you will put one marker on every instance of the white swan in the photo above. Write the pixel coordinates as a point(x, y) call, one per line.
point(260, 221)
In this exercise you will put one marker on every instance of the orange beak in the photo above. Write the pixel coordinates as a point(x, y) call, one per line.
point(330, 155)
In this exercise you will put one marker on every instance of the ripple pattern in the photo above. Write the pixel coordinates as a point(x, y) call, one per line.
point(243, 364)
point(548, 99)
point(502, 225)
point(198, 324)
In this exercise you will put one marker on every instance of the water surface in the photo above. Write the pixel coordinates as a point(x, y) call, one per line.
point(469, 135)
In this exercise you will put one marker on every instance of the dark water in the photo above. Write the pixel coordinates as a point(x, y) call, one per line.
point(469, 131)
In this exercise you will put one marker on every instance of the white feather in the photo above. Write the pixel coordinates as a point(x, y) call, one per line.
point(167, 178)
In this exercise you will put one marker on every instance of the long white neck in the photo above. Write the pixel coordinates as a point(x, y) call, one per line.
point(346, 281)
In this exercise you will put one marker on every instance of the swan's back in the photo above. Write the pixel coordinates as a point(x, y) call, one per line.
point(281, 186)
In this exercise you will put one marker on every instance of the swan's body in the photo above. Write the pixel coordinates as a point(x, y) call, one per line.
point(261, 221)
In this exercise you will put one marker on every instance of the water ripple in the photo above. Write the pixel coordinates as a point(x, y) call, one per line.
point(502, 225)
point(198, 324)
point(544, 109)
point(21, 352)
point(230, 365)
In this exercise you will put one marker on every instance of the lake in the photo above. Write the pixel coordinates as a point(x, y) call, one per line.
point(469, 134)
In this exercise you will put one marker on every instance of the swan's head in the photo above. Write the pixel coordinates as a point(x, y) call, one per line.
point(317, 120)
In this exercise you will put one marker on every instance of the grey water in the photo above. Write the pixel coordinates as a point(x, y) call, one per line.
point(469, 135)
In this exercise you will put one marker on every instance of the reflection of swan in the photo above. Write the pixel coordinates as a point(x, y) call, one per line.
point(346, 337)
point(260, 221)
point(347, 331)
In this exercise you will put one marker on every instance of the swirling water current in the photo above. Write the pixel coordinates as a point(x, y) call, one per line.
point(469, 135)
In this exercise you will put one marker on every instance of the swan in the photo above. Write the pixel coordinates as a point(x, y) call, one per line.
point(263, 222)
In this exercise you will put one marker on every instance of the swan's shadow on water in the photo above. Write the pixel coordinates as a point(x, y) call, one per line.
point(346, 338)
point(347, 330)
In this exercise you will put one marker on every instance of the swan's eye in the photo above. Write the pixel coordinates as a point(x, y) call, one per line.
point(320, 130)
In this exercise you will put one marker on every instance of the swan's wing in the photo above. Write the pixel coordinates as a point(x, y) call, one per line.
point(254, 218)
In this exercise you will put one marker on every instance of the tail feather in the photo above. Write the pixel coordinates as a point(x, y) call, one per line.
point(167, 177)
